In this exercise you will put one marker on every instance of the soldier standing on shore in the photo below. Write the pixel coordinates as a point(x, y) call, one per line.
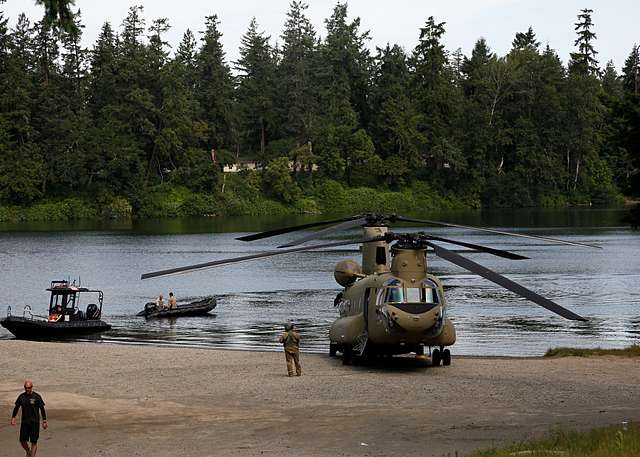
point(291, 342)
point(31, 404)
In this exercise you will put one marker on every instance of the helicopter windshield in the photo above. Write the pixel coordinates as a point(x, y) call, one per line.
point(425, 294)
point(395, 291)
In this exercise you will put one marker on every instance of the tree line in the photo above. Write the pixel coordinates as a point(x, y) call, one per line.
point(130, 113)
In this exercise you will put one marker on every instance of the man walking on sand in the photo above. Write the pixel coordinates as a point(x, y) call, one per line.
point(291, 341)
point(31, 404)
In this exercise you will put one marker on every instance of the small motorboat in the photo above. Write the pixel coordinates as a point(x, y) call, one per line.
point(65, 318)
point(196, 308)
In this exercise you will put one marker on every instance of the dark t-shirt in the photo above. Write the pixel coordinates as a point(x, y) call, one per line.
point(31, 405)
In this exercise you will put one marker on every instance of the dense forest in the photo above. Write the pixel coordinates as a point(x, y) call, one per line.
point(132, 126)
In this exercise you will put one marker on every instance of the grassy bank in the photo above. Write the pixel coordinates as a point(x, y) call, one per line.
point(241, 197)
point(619, 441)
point(631, 351)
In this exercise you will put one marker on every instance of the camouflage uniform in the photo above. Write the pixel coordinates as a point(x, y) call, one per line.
point(291, 341)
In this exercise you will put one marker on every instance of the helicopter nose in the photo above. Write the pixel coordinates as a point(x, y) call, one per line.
point(412, 320)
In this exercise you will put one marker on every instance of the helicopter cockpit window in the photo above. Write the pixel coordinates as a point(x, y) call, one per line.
point(394, 295)
point(430, 292)
point(431, 296)
point(415, 295)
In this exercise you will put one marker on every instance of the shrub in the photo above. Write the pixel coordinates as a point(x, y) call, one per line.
point(117, 208)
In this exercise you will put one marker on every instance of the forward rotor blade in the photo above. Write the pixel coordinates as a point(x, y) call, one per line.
point(280, 231)
point(326, 231)
point(217, 263)
point(477, 247)
point(504, 282)
point(500, 232)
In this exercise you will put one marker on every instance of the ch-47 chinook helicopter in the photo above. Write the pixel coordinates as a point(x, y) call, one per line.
point(390, 303)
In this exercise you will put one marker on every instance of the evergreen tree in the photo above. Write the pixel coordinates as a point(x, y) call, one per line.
point(395, 120)
point(74, 57)
point(22, 165)
point(584, 60)
point(255, 90)
point(186, 57)
point(588, 175)
point(104, 142)
point(439, 105)
point(58, 14)
point(631, 72)
point(518, 129)
point(183, 134)
point(103, 71)
point(612, 84)
point(484, 88)
point(343, 80)
point(525, 40)
point(347, 59)
point(60, 110)
point(214, 89)
point(623, 128)
point(297, 98)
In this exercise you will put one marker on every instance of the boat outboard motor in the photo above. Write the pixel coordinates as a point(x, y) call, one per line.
point(93, 312)
point(149, 308)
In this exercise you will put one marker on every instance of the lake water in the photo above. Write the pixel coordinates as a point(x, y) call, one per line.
point(256, 298)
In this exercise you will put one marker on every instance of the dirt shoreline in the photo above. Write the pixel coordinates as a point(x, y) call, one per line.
point(115, 400)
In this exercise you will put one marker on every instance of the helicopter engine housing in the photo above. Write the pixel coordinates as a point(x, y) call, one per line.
point(347, 272)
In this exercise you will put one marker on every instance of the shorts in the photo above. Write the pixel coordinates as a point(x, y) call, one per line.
point(29, 431)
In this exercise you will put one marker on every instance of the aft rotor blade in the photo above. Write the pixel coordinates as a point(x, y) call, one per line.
point(217, 263)
point(477, 247)
point(504, 282)
point(326, 231)
point(500, 232)
point(280, 231)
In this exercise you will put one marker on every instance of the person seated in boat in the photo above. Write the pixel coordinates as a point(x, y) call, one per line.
point(56, 314)
point(160, 305)
point(173, 303)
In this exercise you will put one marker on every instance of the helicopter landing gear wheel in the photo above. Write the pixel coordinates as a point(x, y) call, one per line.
point(347, 355)
point(333, 347)
point(436, 358)
point(446, 357)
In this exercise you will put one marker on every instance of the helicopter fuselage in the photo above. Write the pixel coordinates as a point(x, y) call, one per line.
point(394, 317)
point(390, 307)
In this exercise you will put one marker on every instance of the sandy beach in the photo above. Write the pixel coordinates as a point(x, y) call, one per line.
point(116, 400)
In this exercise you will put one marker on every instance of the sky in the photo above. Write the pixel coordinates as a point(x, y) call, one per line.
point(389, 21)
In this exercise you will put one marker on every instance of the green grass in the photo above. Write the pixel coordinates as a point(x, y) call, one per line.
point(631, 351)
point(67, 209)
point(605, 442)
point(241, 198)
